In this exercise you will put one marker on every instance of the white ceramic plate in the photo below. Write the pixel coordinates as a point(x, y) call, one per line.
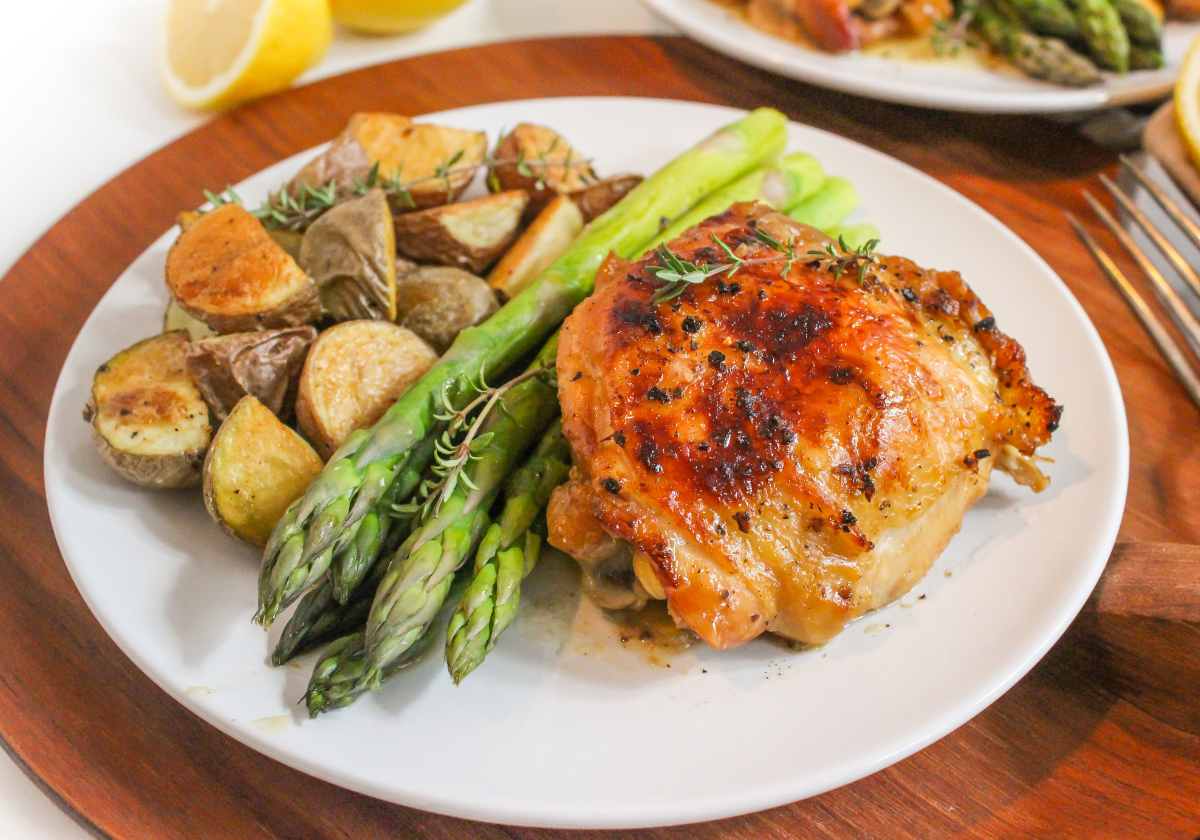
point(563, 726)
point(953, 85)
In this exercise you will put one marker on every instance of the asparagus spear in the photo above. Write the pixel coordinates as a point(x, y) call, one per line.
point(506, 555)
point(336, 680)
point(356, 477)
point(1047, 17)
point(1049, 59)
point(784, 183)
point(1145, 58)
point(317, 619)
point(1102, 30)
point(420, 574)
point(854, 236)
point(1144, 27)
point(828, 206)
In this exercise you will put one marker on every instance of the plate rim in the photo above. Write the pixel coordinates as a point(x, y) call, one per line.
point(717, 808)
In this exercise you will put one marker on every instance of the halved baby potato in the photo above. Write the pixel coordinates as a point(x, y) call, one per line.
point(255, 468)
point(148, 418)
point(544, 241)
point(405, 151)
point(438, 302)
point(354, 372)
point(540, 161)
point(225, 270)
point(470, 235)
point(265, 365)
point(350, 252)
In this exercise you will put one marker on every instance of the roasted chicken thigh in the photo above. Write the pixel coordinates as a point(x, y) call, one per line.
point(779, 448)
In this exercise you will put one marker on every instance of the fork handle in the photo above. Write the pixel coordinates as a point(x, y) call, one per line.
point(1151, 580)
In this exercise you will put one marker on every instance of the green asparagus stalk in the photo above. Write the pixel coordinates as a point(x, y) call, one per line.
point(355, 479)
point(421, 572)
point(1144, 27)
point(854, 236)
point(506, 556)
point(1047, 17)
point(1049, 59)
point(784, 183)
point(828, 206)
point(336, 680)
point(1145, 58)
point(1102, 30)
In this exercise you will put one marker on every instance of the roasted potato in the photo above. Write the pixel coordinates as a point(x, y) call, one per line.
point(265, 365)
point(470, 235)
point(404, 150)
point(226, 271)
point(438, 303)
point(541, 162)
point(176, 319)
point(354, 372)
point(148, 419)
point(597, 198)
point(547, 239)
point(351, 254)
point(255, 468)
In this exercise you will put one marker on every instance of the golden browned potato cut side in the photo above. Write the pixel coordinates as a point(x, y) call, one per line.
point(255, 468)
point(470, 235)
point(354, 372)
point(225, 270)
point(148, 419)
point(547, 239)
point(540, 161)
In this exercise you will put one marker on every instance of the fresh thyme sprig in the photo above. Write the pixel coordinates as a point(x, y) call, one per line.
point(461, 443)
point(856, 259)
point(677, 274)
point(285, 210)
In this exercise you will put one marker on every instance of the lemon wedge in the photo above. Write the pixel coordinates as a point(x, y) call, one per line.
point(1187, 102)
point(384, 17)
point(217, 53)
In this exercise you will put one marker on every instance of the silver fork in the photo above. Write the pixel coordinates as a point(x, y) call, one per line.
point(1178, 310)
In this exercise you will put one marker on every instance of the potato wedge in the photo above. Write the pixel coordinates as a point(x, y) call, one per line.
point(544, 241)
point(354, 372)
point(351, 254)
point(599, 197)
point(148, 419)
point(265, 365)
point(405, 151)
point(470, 235)
point(541, 162)
point(438, 303)
point(176, 319)
point(226, 271)
point(255, 468)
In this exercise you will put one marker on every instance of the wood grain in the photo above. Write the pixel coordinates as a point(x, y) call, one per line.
point(1077, 749)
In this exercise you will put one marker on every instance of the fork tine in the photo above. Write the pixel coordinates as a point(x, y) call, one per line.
point(1176, 308)
point(1160, 241)
point(1166, 344)
point(1164, 201)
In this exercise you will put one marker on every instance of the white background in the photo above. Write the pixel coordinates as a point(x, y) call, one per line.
point(81, 102)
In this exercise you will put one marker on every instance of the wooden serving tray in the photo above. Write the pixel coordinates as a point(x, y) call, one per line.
point(1102, 739)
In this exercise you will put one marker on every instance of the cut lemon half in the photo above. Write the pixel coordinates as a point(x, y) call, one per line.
point(1187, 102)
point(217, 53)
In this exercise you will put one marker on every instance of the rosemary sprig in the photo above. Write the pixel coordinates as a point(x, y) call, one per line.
point(856, 259)
point(461, 443)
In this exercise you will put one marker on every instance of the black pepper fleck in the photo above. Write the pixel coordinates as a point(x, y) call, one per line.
point(692, 325)
point(612, 485)
point(717, 359)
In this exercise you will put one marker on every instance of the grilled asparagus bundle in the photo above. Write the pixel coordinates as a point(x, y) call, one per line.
point(1068, 42)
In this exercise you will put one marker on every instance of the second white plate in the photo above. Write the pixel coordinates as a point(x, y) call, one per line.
point(563, 725)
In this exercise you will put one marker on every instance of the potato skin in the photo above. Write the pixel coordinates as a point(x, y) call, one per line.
point(148, 419)
point(255, 468)
point(225, 270)
point(350, 252)
point(438, 303)
point(470, 235)
point(354, 372)
point(596, 199)
point(263, 364)
point(551, 165)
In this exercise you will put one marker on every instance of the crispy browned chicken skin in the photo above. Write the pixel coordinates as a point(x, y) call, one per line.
point(781, 453)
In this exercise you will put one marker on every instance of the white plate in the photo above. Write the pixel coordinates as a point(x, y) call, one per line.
point(953, 85)
point(562, 726)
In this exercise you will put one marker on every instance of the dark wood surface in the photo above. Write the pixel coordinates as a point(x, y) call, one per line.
point(1100, 740)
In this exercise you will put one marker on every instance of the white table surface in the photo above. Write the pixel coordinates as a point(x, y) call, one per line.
point(82, 102)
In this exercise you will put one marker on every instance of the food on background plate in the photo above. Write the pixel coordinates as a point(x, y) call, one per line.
point(1066, 42)
point(148, 418)
point(470, 234)
point(255, 468)
point(265, 365)
point(226, 271)
point(352, 374)
point(439, 302)
point(792, 440)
